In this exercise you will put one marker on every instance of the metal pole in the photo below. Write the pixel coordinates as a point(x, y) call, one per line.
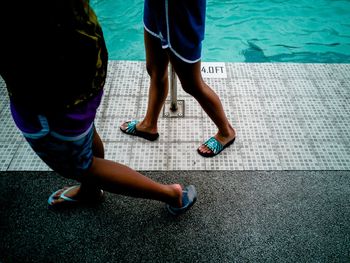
point(173, 89)
point(173, 108)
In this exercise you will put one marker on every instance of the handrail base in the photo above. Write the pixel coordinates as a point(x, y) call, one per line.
point(169, 112)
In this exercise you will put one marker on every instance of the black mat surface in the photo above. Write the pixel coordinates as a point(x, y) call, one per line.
point(267, 216)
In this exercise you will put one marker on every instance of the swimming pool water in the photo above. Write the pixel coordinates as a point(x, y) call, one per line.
point(244, 31)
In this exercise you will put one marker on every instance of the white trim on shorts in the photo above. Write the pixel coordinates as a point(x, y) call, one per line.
point(168, 38)
point(46, 130)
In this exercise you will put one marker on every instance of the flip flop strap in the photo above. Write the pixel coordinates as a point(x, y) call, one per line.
point(214, 145)
point(64, 197)
point(132, 127)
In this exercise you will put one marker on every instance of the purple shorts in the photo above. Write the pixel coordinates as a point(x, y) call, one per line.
point(62, 140)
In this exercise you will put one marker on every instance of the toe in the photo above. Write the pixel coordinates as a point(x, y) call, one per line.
point(204, 149)
point(124, 126)
point(58, 193)
point(57, 197)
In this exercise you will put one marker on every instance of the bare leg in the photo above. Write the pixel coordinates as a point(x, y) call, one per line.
point(192, 82)
point(97, 146)
point(120, 179)
point(86, 187)
point(157, 67)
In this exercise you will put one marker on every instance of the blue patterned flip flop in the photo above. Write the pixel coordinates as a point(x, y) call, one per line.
point(131, 130)
point(215, 146)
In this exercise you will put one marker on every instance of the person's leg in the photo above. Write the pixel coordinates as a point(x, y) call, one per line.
point(157, 67)
point(192, 82)
point(97, 145)
point(86, 189)
point(120, 179)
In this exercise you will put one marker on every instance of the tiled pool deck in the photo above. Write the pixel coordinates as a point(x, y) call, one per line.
point(288, 117)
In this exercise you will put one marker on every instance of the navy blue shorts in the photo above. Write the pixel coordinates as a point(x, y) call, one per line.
point(179, 24)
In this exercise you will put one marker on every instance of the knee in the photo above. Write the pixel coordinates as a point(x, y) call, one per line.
point(156, 74)
point(188, 89)
point(149, 69)
point(192, 88)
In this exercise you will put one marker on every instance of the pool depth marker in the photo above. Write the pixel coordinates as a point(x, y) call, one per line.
point(175, 108)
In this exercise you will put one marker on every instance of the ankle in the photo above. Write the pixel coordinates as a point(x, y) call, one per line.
point(230, 132)
point(147, 126)
point(176, 195)
point(88, 190)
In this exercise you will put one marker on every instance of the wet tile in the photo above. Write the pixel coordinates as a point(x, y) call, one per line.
point(8, 129)
point(260, 155)
point(7, 152)
point(121, 106)
point(25, 159)
point(119, 152)
point(287, 115)
point(184, 156)
point(297, 154)
point(149, 156)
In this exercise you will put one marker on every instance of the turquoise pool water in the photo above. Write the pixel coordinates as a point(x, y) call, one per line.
point(307, 31)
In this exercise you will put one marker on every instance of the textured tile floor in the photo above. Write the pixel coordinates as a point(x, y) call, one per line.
point(288, 117)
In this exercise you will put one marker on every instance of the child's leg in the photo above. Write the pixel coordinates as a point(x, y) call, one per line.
point(192, 82)
point(120, 179)
point(86, 189)
point(157, 67)
point(97, 146)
